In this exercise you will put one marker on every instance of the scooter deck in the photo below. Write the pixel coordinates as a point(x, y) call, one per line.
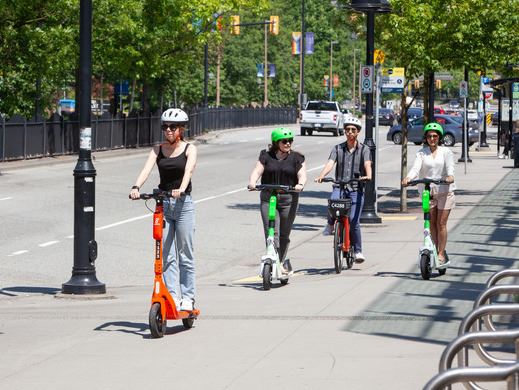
point(444, 265)
point(181, 314)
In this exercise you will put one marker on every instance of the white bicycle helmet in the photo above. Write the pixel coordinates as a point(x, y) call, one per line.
point(174, 115)
point(351, 120)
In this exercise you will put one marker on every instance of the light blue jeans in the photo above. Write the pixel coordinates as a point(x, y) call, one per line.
point(178, 253)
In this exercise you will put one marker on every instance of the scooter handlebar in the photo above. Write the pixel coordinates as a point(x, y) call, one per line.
point(157, 194)
point(273, 187)
point(426, 181)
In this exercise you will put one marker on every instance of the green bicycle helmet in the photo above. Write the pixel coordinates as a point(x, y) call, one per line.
point(281, 133)
point(433, 126)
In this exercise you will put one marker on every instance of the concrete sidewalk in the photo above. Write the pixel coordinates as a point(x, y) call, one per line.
point(376, 326)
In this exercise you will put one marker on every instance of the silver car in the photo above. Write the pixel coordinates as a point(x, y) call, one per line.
point(452, 131)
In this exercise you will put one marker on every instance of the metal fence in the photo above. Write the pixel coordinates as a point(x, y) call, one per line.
point(25, 139)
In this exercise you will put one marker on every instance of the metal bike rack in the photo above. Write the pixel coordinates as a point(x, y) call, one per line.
point(484, 309)
point(455, 346)
point(485, 296)
point(506, 273)
point(509, 373)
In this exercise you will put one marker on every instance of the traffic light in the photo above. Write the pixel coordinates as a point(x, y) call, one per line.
point(274, 25)
point(235, 24)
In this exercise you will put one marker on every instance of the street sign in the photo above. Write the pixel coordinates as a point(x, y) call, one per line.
point(487, 95)
point(379, 56)
point(392, 80)
point(515, 90)
point(464, 89)
point(366, 79)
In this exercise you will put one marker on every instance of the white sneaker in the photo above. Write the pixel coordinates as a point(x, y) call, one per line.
point(186, 304)
point(501, 156)
point(328, 230)
point(359, 257)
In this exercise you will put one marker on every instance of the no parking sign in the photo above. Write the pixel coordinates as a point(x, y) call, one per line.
point(366, 79)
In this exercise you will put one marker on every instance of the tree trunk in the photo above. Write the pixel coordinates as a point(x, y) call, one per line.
point(403, 165)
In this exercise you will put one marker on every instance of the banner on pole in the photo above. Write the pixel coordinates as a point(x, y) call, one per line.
point(296, 43)
point(272, 70)
point(309, 43)
point(260, 70)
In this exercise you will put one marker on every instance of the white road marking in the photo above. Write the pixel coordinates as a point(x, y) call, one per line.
point(9, 197)
point(18, 252)
point(48, 243)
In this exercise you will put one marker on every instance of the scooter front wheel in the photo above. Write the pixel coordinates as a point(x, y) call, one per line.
point(425, 266)
point(157, 323)
point(267, 275)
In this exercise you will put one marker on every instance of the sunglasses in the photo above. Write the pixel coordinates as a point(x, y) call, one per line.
point(433, 136)
point(172, 127)
point(287, 140)
point(350, 129)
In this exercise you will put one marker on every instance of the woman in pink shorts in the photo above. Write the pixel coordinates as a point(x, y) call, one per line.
point(435, 161)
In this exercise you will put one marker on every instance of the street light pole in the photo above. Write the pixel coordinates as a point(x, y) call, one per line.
point(84, 280)
point(370, 7)
point(369, 214)
point(331, 68)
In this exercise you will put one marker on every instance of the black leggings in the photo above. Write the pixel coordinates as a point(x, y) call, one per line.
point(286, 213)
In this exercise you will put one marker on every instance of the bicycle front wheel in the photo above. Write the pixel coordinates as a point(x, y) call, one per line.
point(338, 235)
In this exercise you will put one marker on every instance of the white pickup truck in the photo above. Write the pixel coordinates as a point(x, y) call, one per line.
point(321, 116)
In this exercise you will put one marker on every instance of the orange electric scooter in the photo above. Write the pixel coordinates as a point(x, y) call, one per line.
point(163, 306)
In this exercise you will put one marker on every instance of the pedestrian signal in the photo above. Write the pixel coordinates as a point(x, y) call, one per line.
point(274, 25)
point(235, 24)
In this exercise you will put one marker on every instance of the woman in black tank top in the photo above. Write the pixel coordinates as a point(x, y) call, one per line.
point(280, 165)
point(176, 160)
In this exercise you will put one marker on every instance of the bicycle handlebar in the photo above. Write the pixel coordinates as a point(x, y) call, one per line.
point(426, 181)
point(341, 182)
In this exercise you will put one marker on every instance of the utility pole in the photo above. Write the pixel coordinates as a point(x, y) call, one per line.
point(265, 69)
point(331, 68)
point(302, 58)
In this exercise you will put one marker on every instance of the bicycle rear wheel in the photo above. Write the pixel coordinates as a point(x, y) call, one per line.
point(337, 246)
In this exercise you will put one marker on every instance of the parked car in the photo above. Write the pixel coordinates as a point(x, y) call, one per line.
point(439, 110)
point(386, 116)
point(412, 113)
point(454, 104)
point(452, 127)
point(321, 116)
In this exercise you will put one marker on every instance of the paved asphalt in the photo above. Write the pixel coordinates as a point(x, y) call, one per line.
point(376, 326)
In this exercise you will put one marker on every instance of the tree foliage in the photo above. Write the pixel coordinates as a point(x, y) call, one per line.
point(158, 46)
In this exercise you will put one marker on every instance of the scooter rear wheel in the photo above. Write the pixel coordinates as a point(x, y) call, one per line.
point(157, 323)
point(188, 322)
point(267, 275)
point(442, 271)
point(337, 247)
point(425, 266)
